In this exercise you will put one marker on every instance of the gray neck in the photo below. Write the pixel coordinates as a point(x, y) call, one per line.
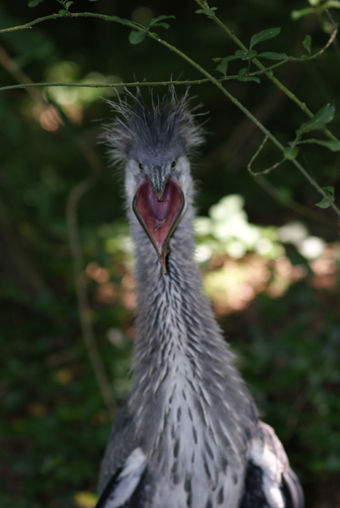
point(183, 369)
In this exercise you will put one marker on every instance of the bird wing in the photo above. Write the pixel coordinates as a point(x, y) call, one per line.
point(121, 444)
point(269, 481)
point(124, 482)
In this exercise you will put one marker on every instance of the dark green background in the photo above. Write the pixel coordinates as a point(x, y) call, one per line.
point(54, 424)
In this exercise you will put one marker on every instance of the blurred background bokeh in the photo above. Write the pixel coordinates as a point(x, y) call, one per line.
point(269, 256)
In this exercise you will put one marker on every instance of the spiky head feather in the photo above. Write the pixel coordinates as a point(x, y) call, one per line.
point(166, 127)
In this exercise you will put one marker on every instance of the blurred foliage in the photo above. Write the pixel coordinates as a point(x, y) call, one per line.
point(271, 272)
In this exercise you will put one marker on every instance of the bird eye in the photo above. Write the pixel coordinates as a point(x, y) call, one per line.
point(173, 164)
point(140, 165)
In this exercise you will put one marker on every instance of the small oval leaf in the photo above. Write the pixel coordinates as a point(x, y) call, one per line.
point(136, 37)
point(271, 55)
point(324, 203)
point(307, 43)
point(323, 116)
point(34, 3)
point(291, 152)
point(245, 55)
point(207, 12)
point(223, 66)
point(333, 146)
point(264, 35)
point(156, 21)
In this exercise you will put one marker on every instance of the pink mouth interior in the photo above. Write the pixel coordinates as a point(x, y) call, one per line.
point(158, 217)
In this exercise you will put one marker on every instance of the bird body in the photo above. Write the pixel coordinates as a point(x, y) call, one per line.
point(188, 434)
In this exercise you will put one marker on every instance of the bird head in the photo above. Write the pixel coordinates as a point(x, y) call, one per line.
point(154, 144)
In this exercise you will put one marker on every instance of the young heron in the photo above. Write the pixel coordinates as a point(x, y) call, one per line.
point(188, 434)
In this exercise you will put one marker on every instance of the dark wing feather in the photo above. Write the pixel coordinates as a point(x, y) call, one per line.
point(126, 487)
point(292, 490)
point(269, 481)
point(121, 444)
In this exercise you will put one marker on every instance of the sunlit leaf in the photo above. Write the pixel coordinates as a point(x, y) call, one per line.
point(324, 203)
point(136, 37)
point(307, 43)
point(335, 4)
point(264, 35)
point(295, 15)
point(271, 55)
point(85, 499)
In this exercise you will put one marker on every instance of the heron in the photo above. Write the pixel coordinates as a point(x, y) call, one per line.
point(189, 433)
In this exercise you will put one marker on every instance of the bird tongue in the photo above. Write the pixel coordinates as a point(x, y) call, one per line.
point(159, 219)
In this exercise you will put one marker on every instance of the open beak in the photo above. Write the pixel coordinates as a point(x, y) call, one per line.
point(158, 214)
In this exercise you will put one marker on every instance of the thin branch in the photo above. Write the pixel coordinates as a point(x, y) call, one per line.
point(83, 303)
point(265, 171)
point(269, 74)
point(211, 78)
point(29, 25)
point(112, 85)
point(290, 203)
point(239, 105)
point(303, 58)
point(71, 213)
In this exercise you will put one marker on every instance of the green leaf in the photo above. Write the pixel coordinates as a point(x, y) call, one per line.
point(295, 15)
point(119, 20)
point(62, 12)
point(239, 55)
point(323, 116)
point(244, 79)
point(34, 3)
point(136, 37)
point(324, 203)
point(223, 66)
point(245, 55)
point(156, 21)
point(207, 12)
point(332, 4)
point(333, 146)
point(233, 57)
point(264, 35)
point(307, 43)
point(271, 55)
point(241, 76)
point(164, 25)
point(68, 5)
point(291, 152)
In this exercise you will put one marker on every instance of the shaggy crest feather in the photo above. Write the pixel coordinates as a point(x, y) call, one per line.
point(168, 122)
